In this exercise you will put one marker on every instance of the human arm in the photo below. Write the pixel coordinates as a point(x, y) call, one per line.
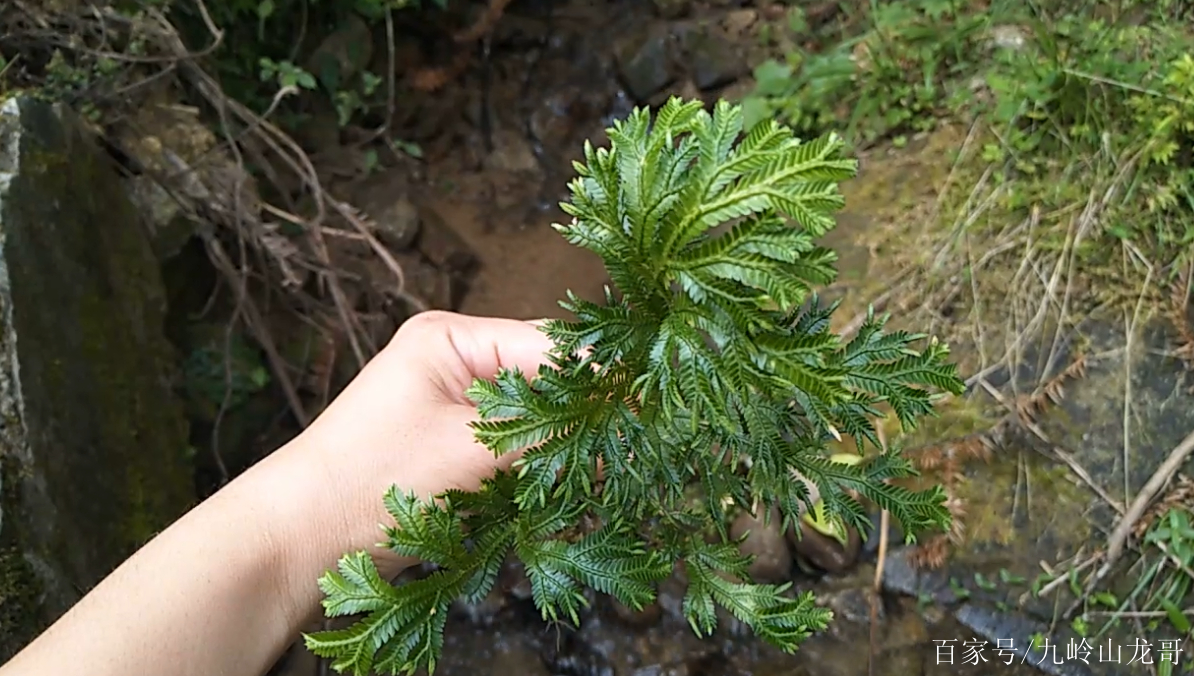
point(228, 586)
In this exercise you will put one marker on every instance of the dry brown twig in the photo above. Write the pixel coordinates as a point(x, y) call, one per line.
point(1178, 314)
point(288, 151)
point(877, 585)
point(1124, 529)
point(1179, 496)
point(220, 196)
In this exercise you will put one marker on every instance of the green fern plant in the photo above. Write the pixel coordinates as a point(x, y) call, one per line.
point(715, 351)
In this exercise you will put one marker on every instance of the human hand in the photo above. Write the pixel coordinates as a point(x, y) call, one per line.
point(225, 588)
point(405, 420)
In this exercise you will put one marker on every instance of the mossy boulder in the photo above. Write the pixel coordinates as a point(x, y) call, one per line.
point(93, 443)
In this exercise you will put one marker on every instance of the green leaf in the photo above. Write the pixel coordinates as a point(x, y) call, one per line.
point(708, 377)
point(1176, 617)
point(772, 78)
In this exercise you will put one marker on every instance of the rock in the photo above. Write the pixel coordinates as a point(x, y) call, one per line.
point(825, 655)
point(905, 630)
point(1014, 633)
point(345, 52)
point(710, 663)
point(484, 612)
point(515, 657)
point(672, 9)
point(823, 551)
point(644, 65)
point(712, 59)
point(901, 662)
point(852, 605)
point(397, 220)
point(93, 447)
point(684, 89)
point(511, 152)
point(425, 282)
point(566, 652)
point(772, 561)
point(177, 163)
point(901, 576)
point(562, 117)
point(739, 21)
point(513, 580)
point(638, 619)
point(450, 255)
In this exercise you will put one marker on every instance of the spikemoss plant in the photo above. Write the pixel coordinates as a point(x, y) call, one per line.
point(713, 351)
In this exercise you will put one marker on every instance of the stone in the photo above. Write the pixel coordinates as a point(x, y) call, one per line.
point(513, 580)
point(93, 442)
point(180, 168)
point(484, 612)
point(1017, 633)
point(713, 59)
point(397, 220)
point(638, 619)
point(1007, 36)
point(644, 64)
point(901, 576)
point(823, 551)
point(345, 52)
point(772, 561)
point(852, 605)
point(512, 152)
point(515, 657)
point(905, 630)
point(672, 9)
point(443, 246)
point(738, 22)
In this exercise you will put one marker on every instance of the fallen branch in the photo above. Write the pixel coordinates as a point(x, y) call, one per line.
point(1123, 530)
point(877, 586)
point(1119, 538)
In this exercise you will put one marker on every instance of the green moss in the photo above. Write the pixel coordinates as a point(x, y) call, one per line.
point(1017, 499)
point(145, 507)
point(98, 429)
point(19, 591)
point(20, 615)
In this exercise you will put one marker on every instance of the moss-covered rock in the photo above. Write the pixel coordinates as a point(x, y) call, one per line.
point(93, 456)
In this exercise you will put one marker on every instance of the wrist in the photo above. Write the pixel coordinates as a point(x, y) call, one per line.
point(324, 516)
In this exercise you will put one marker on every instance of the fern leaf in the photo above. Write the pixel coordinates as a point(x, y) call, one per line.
point(714, 351)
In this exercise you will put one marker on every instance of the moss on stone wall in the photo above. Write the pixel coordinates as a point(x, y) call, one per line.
point(99, 439)
point(20, 589)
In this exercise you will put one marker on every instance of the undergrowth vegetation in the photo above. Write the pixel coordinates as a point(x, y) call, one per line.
point(1079, 162)
point(262, 52)
point(1068, 92)
point(267, 47)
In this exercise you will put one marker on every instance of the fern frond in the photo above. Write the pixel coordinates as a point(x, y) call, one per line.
point(714, 354)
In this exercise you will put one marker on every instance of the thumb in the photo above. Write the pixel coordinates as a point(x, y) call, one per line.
point(486, 345)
